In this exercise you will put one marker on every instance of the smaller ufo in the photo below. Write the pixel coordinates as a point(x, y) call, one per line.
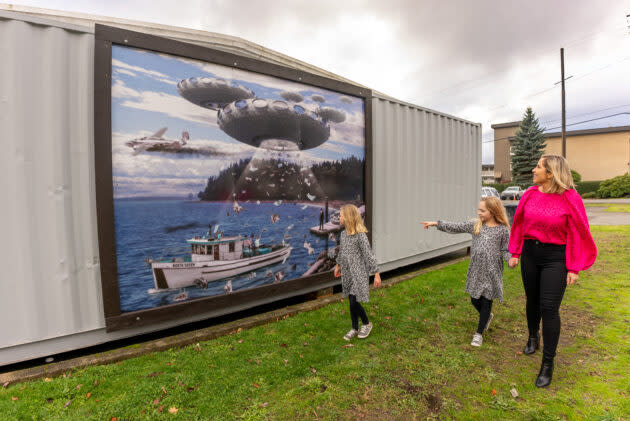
point(292, 96)
point(318, 98)
point(345, 99)
point(212, 93)
point(331, 114)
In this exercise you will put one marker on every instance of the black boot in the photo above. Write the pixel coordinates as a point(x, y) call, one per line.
point(533, 343)
point(546, 371)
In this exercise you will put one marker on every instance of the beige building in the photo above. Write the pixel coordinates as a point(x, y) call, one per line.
point(597, 154)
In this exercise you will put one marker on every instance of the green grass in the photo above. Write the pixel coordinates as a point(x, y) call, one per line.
point(417, 363)
point(620, 207)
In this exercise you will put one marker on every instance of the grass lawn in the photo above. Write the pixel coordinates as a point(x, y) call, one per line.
point(610, 207)
point(416, 364)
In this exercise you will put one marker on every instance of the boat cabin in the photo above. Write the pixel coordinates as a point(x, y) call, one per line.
point(216, 248)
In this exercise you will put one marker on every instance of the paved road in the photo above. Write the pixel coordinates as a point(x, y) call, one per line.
point(597, 215)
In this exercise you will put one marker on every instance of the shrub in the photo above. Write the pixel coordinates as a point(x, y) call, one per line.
point(589, 195)
point(615, 187)
point(576, 176)
point(587, 186)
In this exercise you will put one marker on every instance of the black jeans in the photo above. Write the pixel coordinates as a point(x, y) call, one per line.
point(483, 306)
point(356, 311)
point(544, 272)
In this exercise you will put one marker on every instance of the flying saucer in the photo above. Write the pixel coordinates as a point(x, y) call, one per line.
point(292, 96)
point(212, 93)
point(273, 124)
point(331, 114)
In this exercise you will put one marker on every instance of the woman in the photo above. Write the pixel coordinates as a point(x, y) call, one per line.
point(550, 234)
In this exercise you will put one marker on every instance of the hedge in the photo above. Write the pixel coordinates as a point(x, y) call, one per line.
point(587, 186)
point(615, 187)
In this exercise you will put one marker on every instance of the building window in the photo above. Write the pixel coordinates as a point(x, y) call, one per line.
point(231, 247)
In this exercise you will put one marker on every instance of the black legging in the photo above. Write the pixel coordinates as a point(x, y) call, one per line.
point(544, 272)
point(483, 306)
point(356, 311)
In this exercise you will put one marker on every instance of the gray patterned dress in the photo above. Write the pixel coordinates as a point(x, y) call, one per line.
point(485, 271)
point(357, 262)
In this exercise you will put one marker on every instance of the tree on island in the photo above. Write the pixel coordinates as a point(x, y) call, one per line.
point(527, 148)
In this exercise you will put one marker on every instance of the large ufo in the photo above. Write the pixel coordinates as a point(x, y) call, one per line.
point(273, 124)
point(263, 123)
point(212, 93)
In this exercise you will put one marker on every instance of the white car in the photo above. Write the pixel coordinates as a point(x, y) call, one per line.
point(489, 191)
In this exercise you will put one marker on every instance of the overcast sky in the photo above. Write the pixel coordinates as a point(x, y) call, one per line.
point(485, 61)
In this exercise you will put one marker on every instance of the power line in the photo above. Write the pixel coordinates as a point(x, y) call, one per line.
point(554, 128)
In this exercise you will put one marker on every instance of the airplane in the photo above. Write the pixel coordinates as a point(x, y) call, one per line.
point(156, 142)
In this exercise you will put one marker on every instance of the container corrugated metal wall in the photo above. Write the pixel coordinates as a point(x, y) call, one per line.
point(425, 165)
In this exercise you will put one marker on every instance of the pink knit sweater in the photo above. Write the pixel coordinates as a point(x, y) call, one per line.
point(556, 219)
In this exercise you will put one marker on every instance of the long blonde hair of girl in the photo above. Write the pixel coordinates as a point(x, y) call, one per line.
point(495, 207)
point(352, 220)
point(561, 178)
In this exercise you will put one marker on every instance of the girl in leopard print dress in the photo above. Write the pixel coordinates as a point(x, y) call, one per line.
point(355, 263)
point(490, 239)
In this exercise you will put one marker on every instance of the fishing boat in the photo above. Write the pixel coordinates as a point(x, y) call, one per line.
point(215, 258)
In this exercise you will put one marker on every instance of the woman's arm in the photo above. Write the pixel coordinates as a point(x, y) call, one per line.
point(581, 251)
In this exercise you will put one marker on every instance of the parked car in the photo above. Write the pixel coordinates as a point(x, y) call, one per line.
point(489, 191)
point(512, 193)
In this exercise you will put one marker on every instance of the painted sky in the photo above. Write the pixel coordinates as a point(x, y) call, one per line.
point(483, 60)
point(145, 99)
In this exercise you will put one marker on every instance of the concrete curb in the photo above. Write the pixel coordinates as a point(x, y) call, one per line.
point(184, 339)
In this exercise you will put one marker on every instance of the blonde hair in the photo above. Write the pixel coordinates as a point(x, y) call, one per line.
point(496, 209)
point(561, 178)
point(352, 220)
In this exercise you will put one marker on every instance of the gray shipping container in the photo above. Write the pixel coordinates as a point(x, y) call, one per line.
point(425, 165)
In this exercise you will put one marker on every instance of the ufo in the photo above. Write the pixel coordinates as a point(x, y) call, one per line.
point(279, 125)
point(212, 93)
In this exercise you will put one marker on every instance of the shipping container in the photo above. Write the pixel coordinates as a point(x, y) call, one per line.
point(424, 165)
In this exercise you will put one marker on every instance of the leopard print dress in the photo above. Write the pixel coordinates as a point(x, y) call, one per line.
point(489, 249)
point(357, 262)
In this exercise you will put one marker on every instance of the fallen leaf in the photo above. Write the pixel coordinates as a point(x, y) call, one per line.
point(343, 312)
point(161, 408)
point(347, 346)
point(180, 384)
point(313, 370)
point(190, 389)
point(286, 361)
point(239, 330)
point(422, 302)
point(168, 364)
point(258, 362)
point(163, 390)
point(114, 419)
point(514, 393)
point(88, 395)
point(47, 379)
point(256, 385)
point(79, 386)
point(494, 392)
point(284, 345)
point(95, 382)
point(240, 341)
point(14, 398)
point(173, 410)
point(387, 317)
point(156, 401)
point(305, 344)
point(301, 356)
point(264, 404)
point(154, 374)
point(67, 404)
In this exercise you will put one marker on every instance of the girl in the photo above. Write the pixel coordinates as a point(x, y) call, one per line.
point(551, 237)
point(484, 282)
point(355, 262)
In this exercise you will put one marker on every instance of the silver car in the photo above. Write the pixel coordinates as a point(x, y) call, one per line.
point(513, 193)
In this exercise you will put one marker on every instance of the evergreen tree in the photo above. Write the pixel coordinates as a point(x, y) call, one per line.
point(528, 147)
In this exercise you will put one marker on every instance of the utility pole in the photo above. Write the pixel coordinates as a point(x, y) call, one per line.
point(564, 119)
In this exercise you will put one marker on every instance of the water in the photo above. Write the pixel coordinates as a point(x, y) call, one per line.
point(159, 228)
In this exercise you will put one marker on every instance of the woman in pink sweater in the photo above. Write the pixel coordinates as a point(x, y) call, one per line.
point(551, 236)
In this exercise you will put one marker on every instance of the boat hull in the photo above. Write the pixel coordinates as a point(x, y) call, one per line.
point(184, 274)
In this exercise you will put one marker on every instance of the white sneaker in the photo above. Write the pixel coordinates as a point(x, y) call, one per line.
point(364, 331)
point(488, 324)
point(477, 340)
point(351, 334)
